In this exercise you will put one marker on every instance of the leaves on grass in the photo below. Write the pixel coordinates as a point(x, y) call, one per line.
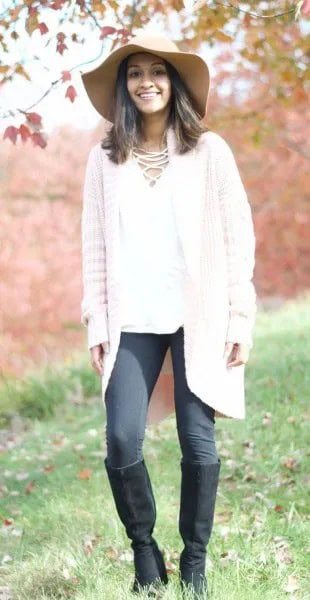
point(290, 463)
point(267, 418)
point(89, 542)
point(48, 468)
point(112, 553)
point(291, 585)
point(291, 419)
point(228, 556)
point(223, 517)
point(171, 558)
point(29, 487)
point(85, 473)
point(60, 440)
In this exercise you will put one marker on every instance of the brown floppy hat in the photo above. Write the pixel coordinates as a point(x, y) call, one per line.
point(100, 82)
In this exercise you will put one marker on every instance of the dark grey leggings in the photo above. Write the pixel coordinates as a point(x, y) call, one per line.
point(136, 369)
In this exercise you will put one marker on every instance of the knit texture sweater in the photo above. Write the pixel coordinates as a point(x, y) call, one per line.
point(215, 228)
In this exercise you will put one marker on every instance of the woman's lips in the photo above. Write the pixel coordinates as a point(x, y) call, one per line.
point(148, 96)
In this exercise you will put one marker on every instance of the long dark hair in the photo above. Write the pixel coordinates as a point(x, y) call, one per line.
point(124, 133)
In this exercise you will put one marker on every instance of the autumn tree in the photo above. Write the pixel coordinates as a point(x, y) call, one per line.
point(269, 42)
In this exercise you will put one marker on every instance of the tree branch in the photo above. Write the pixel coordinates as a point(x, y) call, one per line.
point(14, 112)
point(200, 4)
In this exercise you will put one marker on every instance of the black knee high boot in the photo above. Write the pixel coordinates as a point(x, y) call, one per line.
point(135, 504)
point(198, 495)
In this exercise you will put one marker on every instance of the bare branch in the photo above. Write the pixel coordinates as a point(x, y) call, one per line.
point(14, 112)
point(247, 12)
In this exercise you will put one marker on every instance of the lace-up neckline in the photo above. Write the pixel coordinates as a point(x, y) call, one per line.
point(150, 161)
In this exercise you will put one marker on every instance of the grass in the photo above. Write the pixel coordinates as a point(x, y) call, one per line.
point(60, 536)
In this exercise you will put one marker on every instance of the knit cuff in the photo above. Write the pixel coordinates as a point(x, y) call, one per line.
point(240, 330)
point(97, 330)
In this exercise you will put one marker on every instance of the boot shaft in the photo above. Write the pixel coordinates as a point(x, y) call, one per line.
point(199, 485)
point(134, 500)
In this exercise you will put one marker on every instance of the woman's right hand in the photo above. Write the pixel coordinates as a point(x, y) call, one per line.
point(97, 355)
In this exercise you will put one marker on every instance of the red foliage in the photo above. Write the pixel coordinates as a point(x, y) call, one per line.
point(66, 76)
point(43, 28)
point(106, 31)
point(40, 269)
point(71, 93)
point(40, 259)
point(34, 118)
point(38, 140)
point(11, 133)
point(24, 133)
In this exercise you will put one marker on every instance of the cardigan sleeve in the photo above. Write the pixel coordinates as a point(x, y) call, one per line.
point(240, 244)
point(94, 301)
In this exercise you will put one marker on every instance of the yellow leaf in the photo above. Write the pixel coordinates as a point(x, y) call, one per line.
point(221, 36)
point(31, 24)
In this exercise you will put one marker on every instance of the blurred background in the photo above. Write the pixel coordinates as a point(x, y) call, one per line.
point(60, 535)
point(258, 103)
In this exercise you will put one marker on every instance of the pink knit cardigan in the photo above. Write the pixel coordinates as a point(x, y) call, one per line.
point(214, 222)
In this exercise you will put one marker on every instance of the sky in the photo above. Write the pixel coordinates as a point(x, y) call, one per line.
point(55, 108)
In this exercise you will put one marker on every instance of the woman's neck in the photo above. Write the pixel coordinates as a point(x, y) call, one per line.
point(153, 134)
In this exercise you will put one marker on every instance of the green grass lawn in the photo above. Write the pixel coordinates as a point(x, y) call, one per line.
point(60, 536)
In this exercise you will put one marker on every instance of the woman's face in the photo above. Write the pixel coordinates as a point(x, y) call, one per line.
point(148, 83)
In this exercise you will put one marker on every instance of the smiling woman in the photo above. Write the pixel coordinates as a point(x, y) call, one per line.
point(147, 81)
point(150, 94)
point(168, 260)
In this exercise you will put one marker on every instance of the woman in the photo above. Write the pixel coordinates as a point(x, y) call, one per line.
point(168, 256)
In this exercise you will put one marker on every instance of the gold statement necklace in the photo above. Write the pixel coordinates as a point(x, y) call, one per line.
point(151, 161)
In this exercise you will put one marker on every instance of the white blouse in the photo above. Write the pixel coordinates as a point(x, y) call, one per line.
point(152, 260)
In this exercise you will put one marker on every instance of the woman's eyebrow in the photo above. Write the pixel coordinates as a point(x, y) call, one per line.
point(154, 63)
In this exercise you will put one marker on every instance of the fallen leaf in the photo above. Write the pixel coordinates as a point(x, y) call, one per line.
point(283, 556)
point(48, 468)
point(248, 444)
point(85, 473)
point(228, 555)
point(89, 542)
point(222, 517)
point(290, 463)
point(267, 418)
point(112, 553)
point(8, 522)
point(292, 584)
point(171, 567)
point(29, 487)
point(291, 419)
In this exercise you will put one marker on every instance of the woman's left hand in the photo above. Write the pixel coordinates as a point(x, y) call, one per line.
point(237, 354)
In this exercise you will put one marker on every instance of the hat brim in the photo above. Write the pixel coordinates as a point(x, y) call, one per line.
point(100, 82)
